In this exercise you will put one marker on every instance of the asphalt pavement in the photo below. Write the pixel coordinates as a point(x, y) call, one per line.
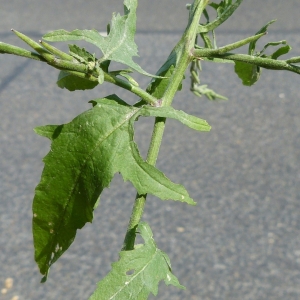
point(242, 240)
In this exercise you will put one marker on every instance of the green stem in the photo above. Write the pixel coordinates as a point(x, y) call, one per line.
point(293, 60)
point(140, 200)
point(56, 51)
point(221, 19)
point(34, 45)
point(235, 45)
point(184, 48)
point(10, 49)
point(71, 67)
point(263, 62)
point(132, 88)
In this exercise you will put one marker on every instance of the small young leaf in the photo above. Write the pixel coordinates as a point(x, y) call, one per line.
point(221, 7)
point(249, 74)
point(138, 272)
point(252, 45)
point(72, 82)
point(281, 51)
point(200, 90)
point(271, 44)
point(224, 10)
point(81, 54)
point(85, 154)
point(158, 86)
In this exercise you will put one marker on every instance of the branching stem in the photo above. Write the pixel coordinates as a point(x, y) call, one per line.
point(263, 62)
point(64, 63)
point(185, 45)
point(221, 19)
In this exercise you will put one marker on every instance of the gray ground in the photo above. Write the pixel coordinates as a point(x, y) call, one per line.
point(242, 239)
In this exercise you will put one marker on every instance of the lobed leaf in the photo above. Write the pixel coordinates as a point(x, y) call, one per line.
point(118, 46)
point(85, 154)
point(138, 272)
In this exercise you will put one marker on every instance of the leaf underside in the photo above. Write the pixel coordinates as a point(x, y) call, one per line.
point(72, 82)
point(249, 74)
point(138, 272)
point(85, 154)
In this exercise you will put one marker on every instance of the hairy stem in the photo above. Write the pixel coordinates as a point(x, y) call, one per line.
point(62, 61)
point(10, 49)
point(132, 88)
point(232, 46)
point(267, 63)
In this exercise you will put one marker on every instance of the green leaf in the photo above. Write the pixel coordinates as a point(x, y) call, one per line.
point(81, 54)
point(224, 10)
point(138, 272)
point(72, 82)
point(200, 90)
point(248, 73)
point(85, 154)
point(262, 30)
point(221, 7)
point(158, 86)
point(271, 44)
point(281, 51)
point(118, 46)
point(170, 112)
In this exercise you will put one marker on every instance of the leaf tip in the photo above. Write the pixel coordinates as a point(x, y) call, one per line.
point(193, 202)
point(45, 277)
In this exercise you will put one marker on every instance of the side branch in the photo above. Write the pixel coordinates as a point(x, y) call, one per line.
point(235, 45)
point(221, 19)
point(78, 69)
point(263, 62)
point(10, 49)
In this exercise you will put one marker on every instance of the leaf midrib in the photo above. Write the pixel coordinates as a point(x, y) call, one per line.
point(83, 166)
point(133, 277)
point(107, 55)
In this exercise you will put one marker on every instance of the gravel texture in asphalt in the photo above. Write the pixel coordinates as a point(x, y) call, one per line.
point(242, 240)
